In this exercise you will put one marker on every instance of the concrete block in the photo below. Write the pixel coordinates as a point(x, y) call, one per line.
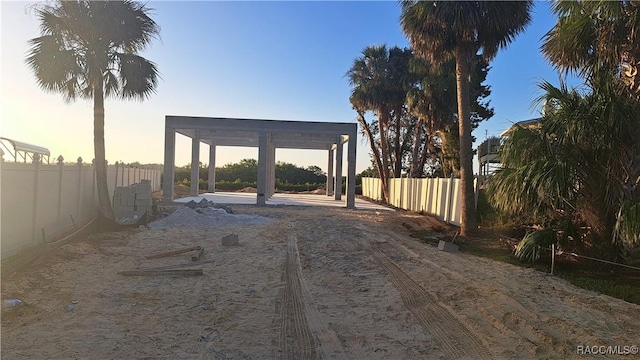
point(123, 212)
point(447, 246)
point(230, 240)
point(143, 191)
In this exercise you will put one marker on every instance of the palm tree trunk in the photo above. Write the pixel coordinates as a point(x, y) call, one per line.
point(468, 223)
point(397, 171)
point(104, 200)
point(428, 147)
point(445, 164)
point(417, 140)
point(384, 145)
point(376, 155)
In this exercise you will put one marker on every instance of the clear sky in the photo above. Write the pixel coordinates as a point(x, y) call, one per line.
point(265, 60)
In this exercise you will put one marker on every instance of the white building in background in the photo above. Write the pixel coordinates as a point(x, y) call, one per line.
point(488, 151)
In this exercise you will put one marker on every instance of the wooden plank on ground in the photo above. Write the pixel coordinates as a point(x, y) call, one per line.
point(167, 267)
point(173, 252)
point(183, 272)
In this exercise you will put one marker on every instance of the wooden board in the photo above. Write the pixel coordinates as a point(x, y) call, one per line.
point(184, 272)
point(173, 252)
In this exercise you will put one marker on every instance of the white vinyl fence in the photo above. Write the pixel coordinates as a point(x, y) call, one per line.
point(438, 197)
point(39, 202)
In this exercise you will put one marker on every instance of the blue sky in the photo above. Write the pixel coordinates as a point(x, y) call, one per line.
point(266, 60)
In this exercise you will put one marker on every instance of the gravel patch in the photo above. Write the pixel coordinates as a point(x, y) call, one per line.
point(207, 217)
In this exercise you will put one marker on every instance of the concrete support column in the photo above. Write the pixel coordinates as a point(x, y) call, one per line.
point(338, 189)
point(211, 186)
point(195, 164)
point(267, 175)
point(272, 170)
point(330, 174)
point(262, 168)
point(351, 171)
point(169, 164)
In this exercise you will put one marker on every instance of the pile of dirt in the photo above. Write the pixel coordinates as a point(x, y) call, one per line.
point(248, 189)
point(207, 217)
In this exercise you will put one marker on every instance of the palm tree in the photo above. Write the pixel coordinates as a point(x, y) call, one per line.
point(595, 36)
point(443, 30)
point(89, 50)
point(578, 170)
point(376, 78)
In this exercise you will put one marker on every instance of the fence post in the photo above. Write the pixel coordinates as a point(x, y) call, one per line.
point(553, 257)
point(1, 165)
point(79, 189)
point(60, 178)
point(476, 188)
point(451, 197)
point(115, 183)
point(449, 202)
point(121, 174)
point(95, 185)
point(34, 220)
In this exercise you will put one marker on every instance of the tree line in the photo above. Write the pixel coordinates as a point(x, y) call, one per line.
point(246, 172)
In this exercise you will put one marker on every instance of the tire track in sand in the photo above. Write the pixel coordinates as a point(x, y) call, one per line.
point(299, 319)
point(295, 337)
point(456, 341)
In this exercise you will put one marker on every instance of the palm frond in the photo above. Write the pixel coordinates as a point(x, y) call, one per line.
point(530, 248)
point(84, 43)
point(57, 69)
point(138, 76)
point(627, 228)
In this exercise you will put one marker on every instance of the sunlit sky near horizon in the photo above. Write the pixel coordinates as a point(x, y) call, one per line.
point(265, 60)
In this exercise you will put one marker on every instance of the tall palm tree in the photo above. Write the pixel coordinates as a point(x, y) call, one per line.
point(459, 29)
point(377, 87)
point(89, 50)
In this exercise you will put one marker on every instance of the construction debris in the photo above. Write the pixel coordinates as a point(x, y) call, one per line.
point(199, 249)
point(197, 255)
point(131, 202)
point(207, 217)
point(167, 267)
point(184, 272)
point(230, 240)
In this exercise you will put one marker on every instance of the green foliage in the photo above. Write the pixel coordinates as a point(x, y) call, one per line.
point(580, 163)
point(246, 170)
point(592, 37)
point(530, 248)
point(627, 227)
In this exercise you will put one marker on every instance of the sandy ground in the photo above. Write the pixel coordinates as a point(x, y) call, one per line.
point(312, 283)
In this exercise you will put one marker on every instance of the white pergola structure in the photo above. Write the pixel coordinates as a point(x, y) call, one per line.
point(267, 135)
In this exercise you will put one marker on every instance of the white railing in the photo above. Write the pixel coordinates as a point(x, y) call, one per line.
point(439, 197)
point(40, 202)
